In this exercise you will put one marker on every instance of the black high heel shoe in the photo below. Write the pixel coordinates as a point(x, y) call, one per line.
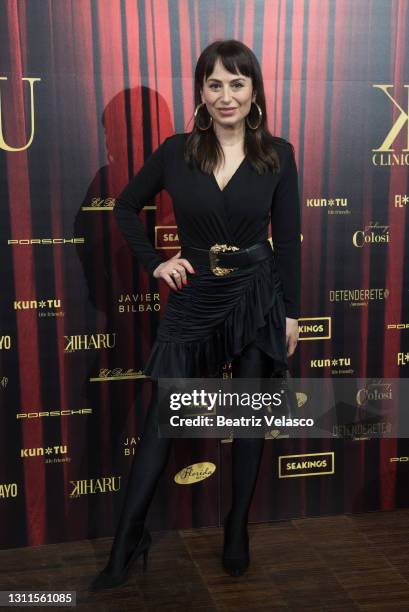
point(235, 566)
point(107, 580)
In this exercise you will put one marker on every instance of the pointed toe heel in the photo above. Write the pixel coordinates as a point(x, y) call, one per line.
point(235, 566)
point(107, 580)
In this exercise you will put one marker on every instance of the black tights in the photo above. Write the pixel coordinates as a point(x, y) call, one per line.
point(152, 454)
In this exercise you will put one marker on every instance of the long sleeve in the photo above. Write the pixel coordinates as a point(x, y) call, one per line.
point(286, 228)
point(138, 192)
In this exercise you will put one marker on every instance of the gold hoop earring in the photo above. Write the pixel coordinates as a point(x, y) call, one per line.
point(260, 114)
point(195, 115)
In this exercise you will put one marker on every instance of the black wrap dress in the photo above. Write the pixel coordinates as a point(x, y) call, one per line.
point(212, 318)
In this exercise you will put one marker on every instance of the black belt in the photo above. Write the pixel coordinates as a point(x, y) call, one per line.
point(224, 258)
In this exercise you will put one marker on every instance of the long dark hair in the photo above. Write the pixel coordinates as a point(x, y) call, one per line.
point(259, 145)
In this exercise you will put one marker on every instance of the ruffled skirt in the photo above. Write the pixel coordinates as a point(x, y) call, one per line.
point(213, 318)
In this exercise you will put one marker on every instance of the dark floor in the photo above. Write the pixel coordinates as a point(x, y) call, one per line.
point(338, 563)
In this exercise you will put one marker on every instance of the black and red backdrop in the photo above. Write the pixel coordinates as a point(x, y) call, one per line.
point(88, 89)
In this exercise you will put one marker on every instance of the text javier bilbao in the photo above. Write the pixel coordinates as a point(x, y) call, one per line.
point(206, 404)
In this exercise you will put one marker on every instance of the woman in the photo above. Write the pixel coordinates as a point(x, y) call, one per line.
point(235, 303)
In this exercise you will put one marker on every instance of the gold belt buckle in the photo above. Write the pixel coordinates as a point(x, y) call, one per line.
point(214, 259)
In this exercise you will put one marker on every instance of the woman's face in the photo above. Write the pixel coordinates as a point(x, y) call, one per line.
point(225, 90)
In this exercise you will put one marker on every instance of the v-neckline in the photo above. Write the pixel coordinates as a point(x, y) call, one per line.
point(231, 178)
